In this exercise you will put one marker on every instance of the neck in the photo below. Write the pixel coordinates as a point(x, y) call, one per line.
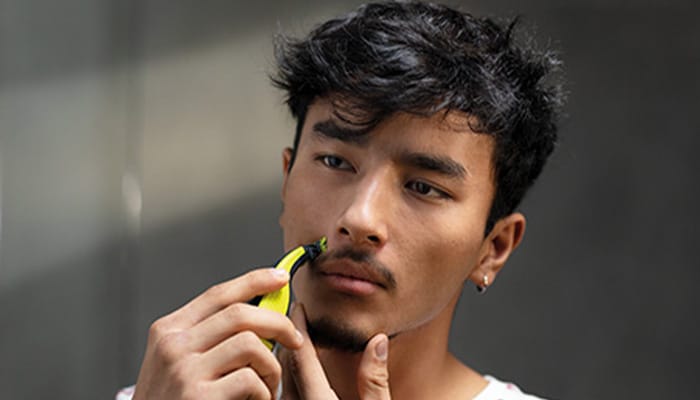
point(420, 365)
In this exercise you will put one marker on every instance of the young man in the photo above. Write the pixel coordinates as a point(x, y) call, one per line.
point(419, 130)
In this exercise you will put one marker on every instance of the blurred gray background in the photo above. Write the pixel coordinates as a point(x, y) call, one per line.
point(140, 163)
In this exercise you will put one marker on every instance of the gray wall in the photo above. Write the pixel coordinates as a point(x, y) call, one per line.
point(127, 134)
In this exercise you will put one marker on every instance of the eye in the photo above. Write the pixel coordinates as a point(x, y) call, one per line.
point(334, 162)
point(426, 190)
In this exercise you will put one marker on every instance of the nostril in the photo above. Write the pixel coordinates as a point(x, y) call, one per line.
point(373, 239)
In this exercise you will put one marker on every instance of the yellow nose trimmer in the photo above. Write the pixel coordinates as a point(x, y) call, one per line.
point(281, 299)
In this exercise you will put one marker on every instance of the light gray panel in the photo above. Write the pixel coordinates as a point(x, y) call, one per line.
point(62, 119)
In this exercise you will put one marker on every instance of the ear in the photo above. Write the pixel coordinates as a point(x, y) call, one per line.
point(286, 161)
point(497, 247)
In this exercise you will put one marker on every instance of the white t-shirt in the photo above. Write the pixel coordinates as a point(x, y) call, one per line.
point(496, 390)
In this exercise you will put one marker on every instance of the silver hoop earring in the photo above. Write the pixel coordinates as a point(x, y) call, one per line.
point(485, 285)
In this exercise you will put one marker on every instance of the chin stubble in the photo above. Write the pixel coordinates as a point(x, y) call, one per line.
point(331, 334)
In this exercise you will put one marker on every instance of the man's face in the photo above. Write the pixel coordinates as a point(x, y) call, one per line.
point(404, 208)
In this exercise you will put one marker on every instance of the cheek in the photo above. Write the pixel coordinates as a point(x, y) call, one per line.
point(304, 212)
point(448, 241)
point(445, 269)
point(443, 259)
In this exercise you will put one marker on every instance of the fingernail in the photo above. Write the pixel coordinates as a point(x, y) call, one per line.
point(382, 348)
point(300, 337)
point(280, 273)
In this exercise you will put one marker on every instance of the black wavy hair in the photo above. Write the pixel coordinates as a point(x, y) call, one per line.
point(424, 58)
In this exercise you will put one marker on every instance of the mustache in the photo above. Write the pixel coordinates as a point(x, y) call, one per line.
point(365, 258)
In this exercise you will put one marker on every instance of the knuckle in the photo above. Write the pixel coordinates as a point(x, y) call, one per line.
point(248, 340)
point(252, 279)
point(258, 278)
point(255, 385)
point(172, 346)
point(215, 292)
point(248, 377)
point(157, 329)
point(235, 310)
point(195, 391)
point(234, 314)
point(276, 372)
point(378, 380)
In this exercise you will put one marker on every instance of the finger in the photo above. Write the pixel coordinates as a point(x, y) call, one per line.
point(242, 350)
point(242, 383)
point(373, 374)
point(309, 376)
point(240, 317)
point(238, 290)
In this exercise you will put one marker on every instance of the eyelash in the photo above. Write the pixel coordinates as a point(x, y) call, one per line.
point(325, 160)
point(439, 194)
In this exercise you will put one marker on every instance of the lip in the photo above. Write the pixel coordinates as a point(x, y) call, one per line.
point(351, 278)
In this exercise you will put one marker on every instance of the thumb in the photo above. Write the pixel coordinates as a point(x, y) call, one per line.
point(373, 374)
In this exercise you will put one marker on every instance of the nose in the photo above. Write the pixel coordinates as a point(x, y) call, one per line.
point(363, 221)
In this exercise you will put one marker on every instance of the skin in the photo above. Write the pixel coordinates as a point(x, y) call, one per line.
point(424, 227)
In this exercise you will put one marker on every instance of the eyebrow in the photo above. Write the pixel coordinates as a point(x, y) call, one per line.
point(440, 164)
point(329, 129)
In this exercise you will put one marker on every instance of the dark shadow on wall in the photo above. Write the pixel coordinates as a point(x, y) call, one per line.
point(61, 330)
point(600, 301)
point(79, 330)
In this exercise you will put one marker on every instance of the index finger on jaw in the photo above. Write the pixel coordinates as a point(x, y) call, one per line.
point(306, 367)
